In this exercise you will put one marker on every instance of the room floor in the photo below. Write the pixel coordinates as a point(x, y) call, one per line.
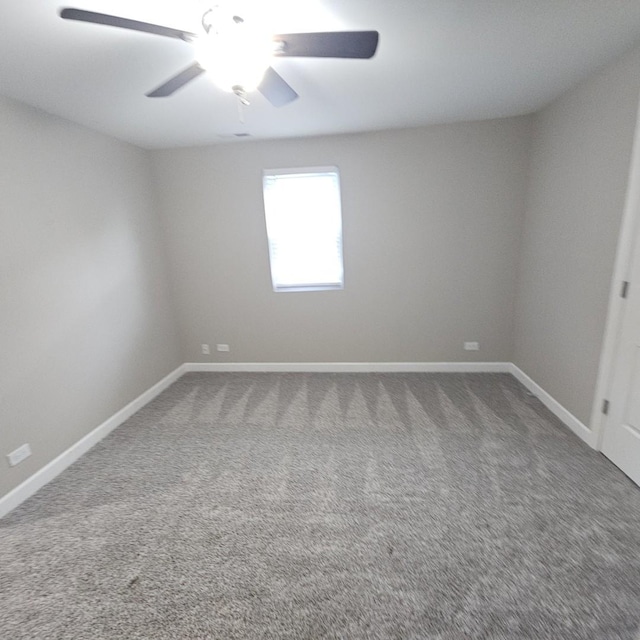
point(439, 506)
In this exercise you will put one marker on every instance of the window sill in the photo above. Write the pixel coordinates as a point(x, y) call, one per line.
point(314, 287)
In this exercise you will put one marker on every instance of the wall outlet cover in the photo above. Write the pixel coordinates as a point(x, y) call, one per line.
point(472, 346)
point(19, 454)
point(222, 347)
point(205, 349)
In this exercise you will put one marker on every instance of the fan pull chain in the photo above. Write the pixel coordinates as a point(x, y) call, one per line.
point(241, 106)
point(243, 101)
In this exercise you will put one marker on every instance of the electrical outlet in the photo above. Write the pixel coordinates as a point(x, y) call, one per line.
point(205, 349)
point(222, 347)
point(472, 346)
point(20, 454)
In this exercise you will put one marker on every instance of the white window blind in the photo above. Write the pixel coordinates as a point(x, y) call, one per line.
point(304, 228)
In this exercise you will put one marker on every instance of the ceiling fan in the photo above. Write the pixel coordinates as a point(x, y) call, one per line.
point(238, 56)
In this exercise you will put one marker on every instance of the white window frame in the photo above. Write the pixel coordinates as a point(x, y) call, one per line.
point(302, 286)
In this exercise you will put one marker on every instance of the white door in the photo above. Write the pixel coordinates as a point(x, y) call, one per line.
point(621, 440)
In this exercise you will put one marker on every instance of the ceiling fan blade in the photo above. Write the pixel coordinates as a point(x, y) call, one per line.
point(125, 23)
point(276, 89)
point(336, 44)
point(179, 80)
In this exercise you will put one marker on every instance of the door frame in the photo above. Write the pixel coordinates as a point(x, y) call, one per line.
point(629, 229)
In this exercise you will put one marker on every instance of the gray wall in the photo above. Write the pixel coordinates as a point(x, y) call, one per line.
point(85, 319)
point(431, 222)
point(579, 169)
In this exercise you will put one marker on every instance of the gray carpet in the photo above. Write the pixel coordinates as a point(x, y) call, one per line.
point(305, 506)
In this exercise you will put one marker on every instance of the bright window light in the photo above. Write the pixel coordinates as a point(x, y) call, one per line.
point(304, 228)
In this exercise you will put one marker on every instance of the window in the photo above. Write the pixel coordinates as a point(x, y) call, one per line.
point(304, 228)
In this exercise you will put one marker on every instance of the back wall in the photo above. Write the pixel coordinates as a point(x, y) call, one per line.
point(431, 222)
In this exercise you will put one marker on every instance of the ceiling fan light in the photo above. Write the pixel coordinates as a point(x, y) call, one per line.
point(235, 57)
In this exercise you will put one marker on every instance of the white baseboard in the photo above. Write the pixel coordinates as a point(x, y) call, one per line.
point(352, 367)
point(579, 428)
point(32, 484)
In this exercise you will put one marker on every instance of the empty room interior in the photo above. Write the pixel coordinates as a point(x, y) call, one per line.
point(320, 320)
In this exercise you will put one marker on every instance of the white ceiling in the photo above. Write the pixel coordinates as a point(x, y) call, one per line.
point(438, 61)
